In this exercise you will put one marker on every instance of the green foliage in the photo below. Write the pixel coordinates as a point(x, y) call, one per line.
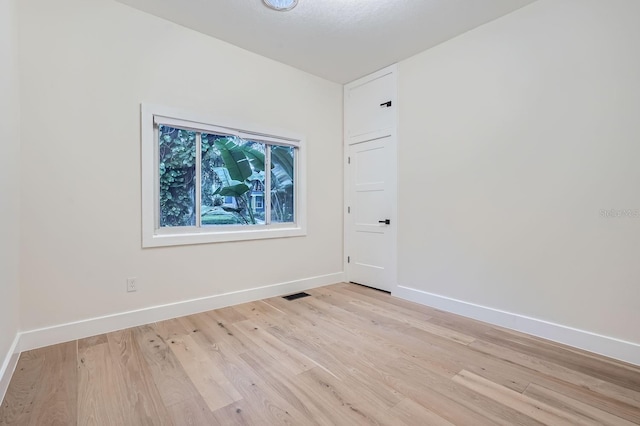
point(283, 156)
point(235, 160)
point(237, 190)
point(282, 178)
point(177, 176)
point(220, 218)
point(230, 167)
point(255, 157)
point(242, 165)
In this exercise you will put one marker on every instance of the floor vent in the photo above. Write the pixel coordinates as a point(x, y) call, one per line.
point(296, 296)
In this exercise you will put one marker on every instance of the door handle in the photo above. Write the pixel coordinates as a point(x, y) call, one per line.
point(386, 221)
point(385, 104)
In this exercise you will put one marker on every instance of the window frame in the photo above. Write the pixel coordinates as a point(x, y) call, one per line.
point(155, 236)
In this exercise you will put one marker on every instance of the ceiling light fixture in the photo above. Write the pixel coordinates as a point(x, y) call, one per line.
point(280, 5)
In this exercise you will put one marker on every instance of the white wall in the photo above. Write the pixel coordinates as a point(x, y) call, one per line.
point(513, 137)
point(9, 180)
point(86, 66)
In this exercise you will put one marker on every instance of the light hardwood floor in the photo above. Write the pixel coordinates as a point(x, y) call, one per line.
point(348, 355)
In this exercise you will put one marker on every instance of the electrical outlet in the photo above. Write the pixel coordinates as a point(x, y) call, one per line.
point(132, 284)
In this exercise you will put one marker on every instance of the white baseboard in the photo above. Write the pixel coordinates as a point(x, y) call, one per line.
point(592, 342)
point(38, 338)
point(8, 366)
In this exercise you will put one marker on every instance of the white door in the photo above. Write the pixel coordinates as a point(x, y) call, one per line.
point(370, 213)
point(369, 106)
point(370, 180)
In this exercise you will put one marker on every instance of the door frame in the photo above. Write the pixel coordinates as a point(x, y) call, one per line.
point(392, 132)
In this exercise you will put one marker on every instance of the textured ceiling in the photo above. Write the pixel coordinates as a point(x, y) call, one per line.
point(340, 40)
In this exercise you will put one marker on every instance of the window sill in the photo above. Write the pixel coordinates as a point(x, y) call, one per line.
point(219, 236)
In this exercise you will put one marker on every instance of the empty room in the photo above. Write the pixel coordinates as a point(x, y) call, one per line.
point(320, 212)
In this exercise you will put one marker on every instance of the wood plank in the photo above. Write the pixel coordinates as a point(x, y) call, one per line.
point(214, 330)
point(349, 324)
point(259, 398)
point(370, 333)
point(173, 384)
point(575, 391)
point(613, 391)
point(142, 401)
point(373, 296)
point(347, 405)
point(99, 398)
point(257, 395)
point(350, 348)
point(412, 413)
point(617, 373)
point(260, 313)
point(21, 394)
point(456, 403)
point(337, 294)
point(275, 375)
point(576, 408)
point(345, 355)
point(530, 407)
point(230, 315)
point(174, 328)
point(58, 388)
point(207, 378)
point(235, 415)
point(191, 413)
point(294, 361)
point(91, 341)
point(47, 392)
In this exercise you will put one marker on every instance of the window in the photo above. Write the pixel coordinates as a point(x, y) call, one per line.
point(205, 182)
point(259, 202)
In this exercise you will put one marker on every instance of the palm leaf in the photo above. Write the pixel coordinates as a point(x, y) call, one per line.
point(255, 157)
point(280, 178)
point(283, 156)
point(233, 190)
point(234, 159)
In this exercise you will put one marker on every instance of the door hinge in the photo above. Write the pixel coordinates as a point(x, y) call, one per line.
point(348, 259)
point(348, 160)
point(348, 209)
